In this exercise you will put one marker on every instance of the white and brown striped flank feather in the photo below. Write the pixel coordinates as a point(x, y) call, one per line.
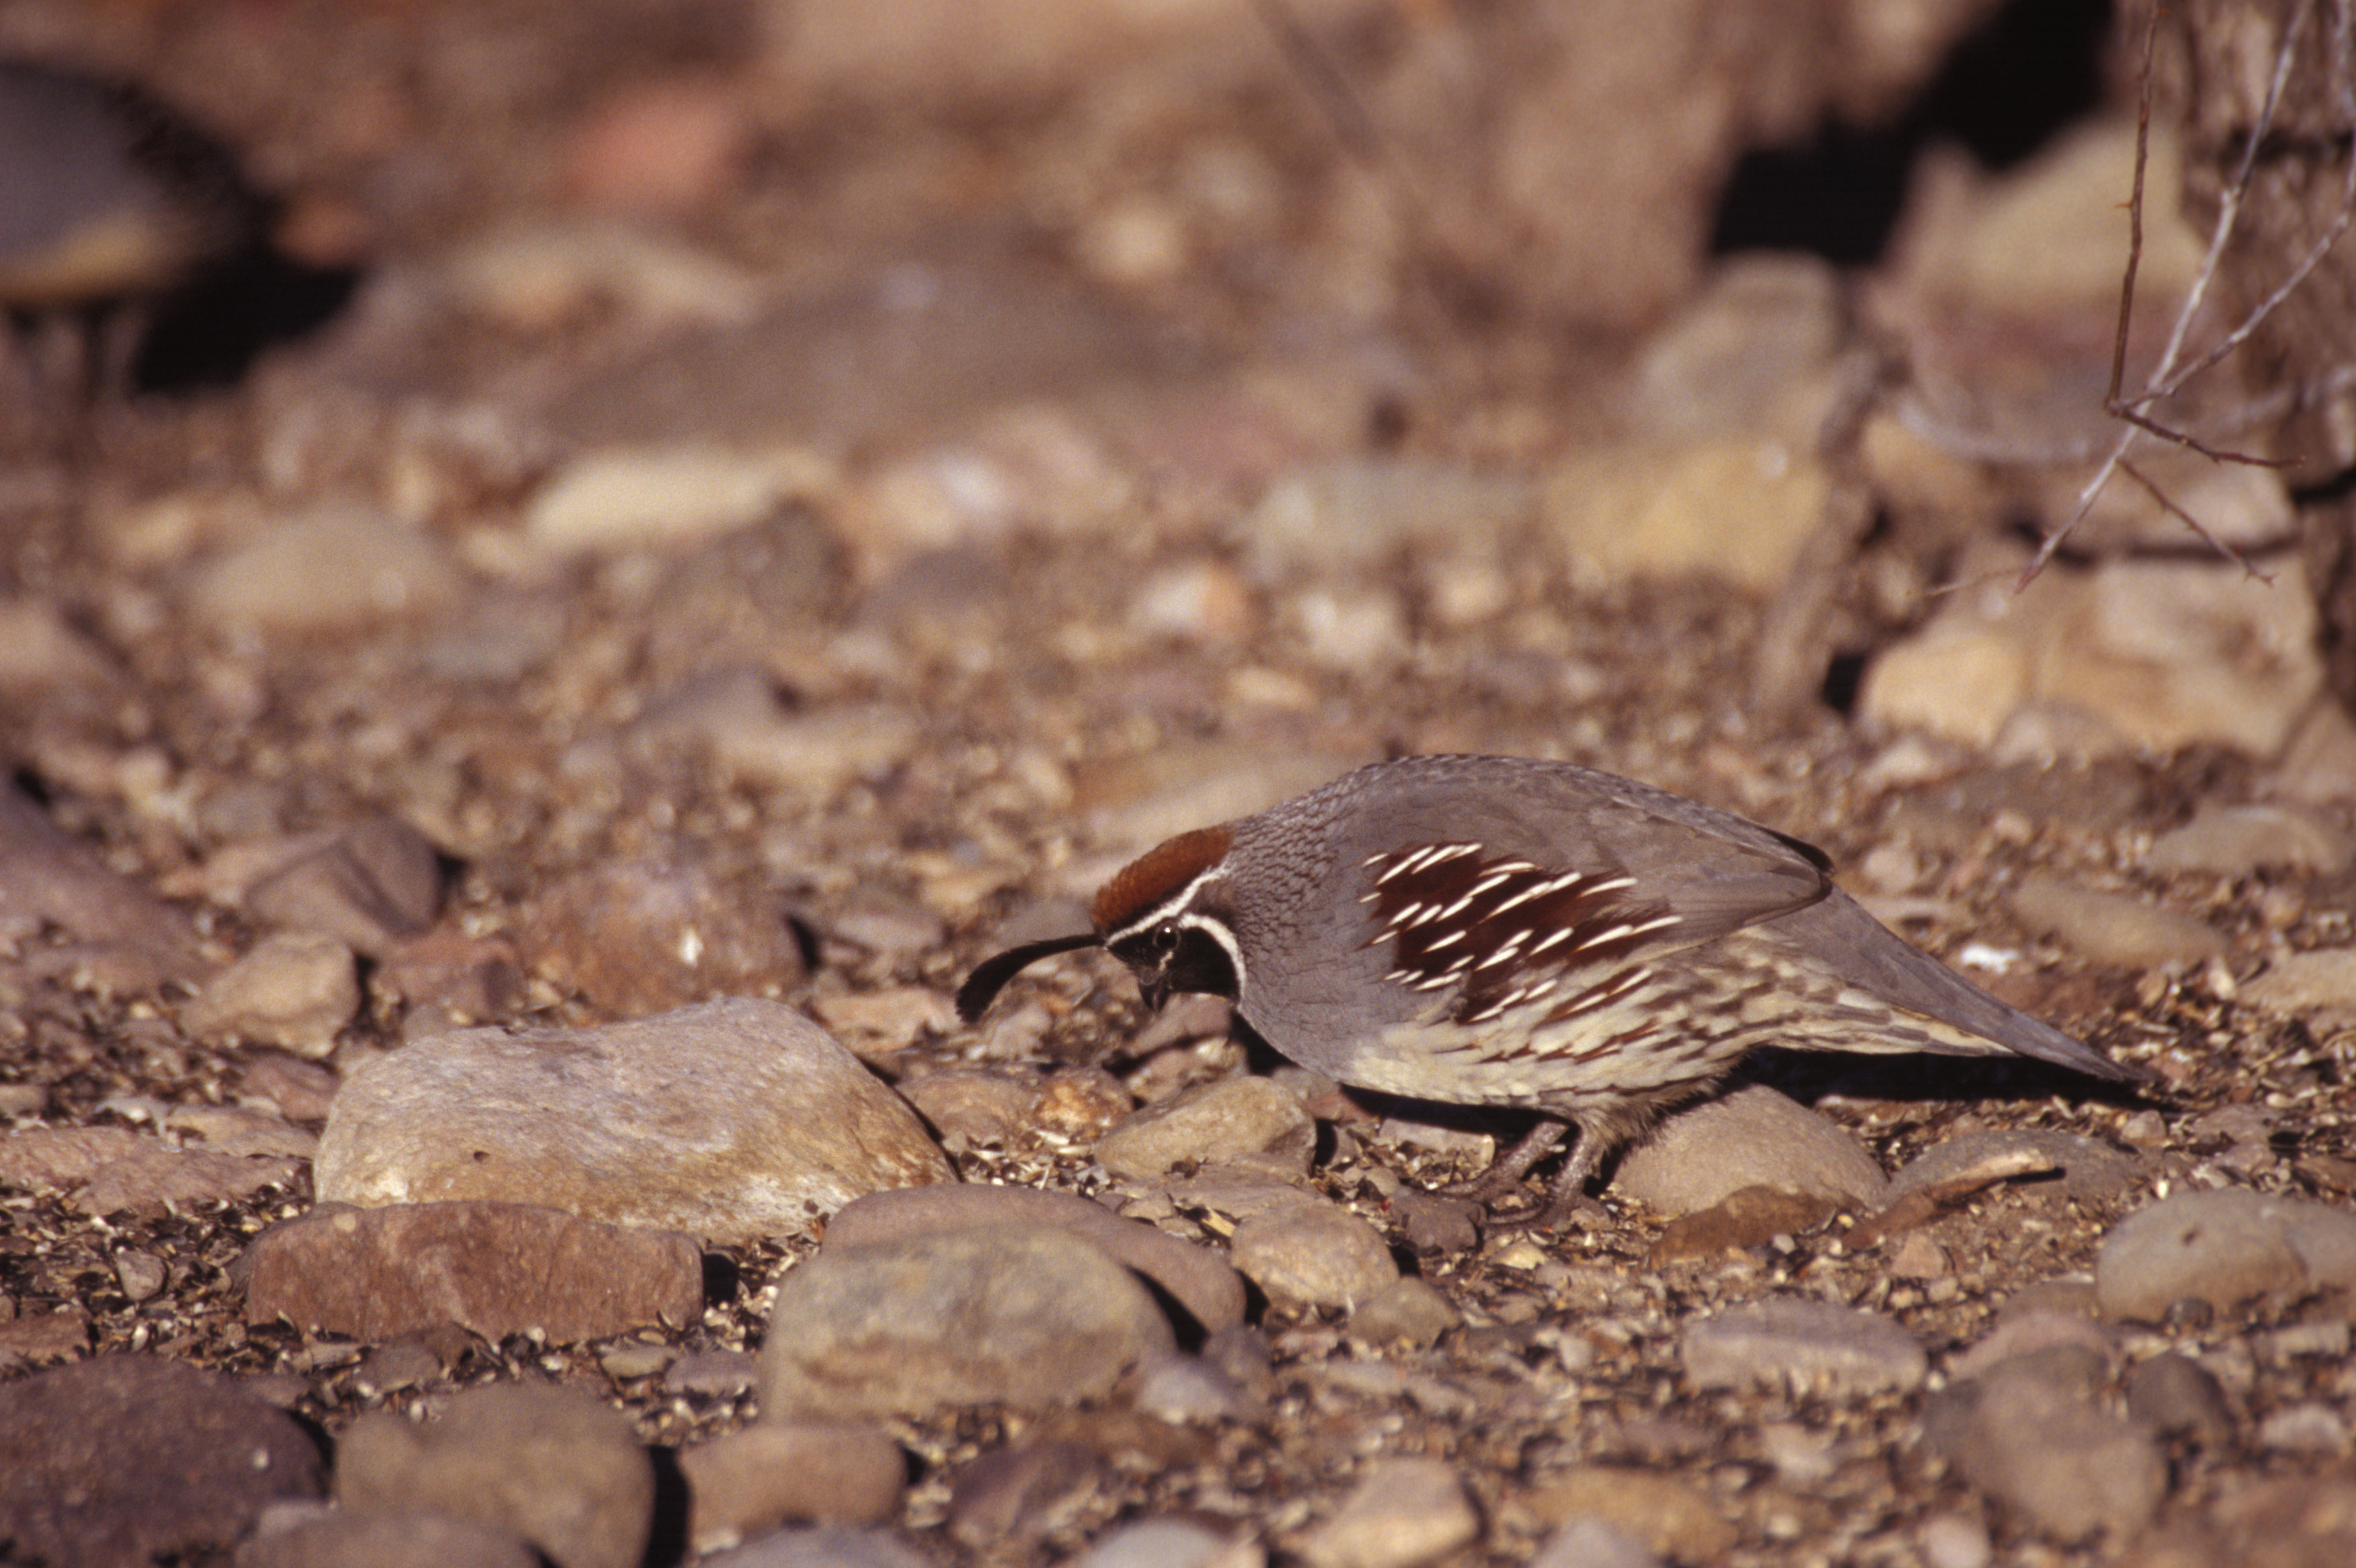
point(1501, 934)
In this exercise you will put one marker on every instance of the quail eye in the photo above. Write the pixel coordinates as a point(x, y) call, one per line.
point(1164, 940)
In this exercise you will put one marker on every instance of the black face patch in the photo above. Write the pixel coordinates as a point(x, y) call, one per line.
point(1173, 955)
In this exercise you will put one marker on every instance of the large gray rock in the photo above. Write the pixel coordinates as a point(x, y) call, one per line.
point(1015, 1315)
point(2223, 1248)
point(552, 1464)
point(124, 1461)
point(1752, 1137)
point(1404, 1512)
point(762, 1476)
point(2029, 1434)
point(1314, 1252)
point(731, 1121)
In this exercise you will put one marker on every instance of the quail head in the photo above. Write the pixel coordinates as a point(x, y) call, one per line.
point(1494, 930)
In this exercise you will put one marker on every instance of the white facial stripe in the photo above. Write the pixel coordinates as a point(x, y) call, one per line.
point(1168, 910)
point(1171, 910)
point(1225, 937)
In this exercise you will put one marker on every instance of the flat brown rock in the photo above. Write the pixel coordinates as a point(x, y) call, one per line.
point(552, 1464)
point(48, 878)
point(640, 937)
point(124, 1461)
point(495, 1268)
point(369, 886)
point(112, 1169)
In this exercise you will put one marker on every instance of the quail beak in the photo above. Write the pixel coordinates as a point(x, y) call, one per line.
point(1155, 992)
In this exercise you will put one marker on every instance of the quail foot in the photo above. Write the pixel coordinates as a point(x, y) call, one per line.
point(1500, 932)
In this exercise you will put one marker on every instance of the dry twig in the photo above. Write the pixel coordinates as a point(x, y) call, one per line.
point(2174, 371)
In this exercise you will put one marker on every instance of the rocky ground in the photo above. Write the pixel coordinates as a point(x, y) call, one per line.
point(503, 790)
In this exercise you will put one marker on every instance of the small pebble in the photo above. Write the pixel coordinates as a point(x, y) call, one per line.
point(713, 1374)
point(1955, 1541)
point(626, 1363)
point(142, 1274)
point(2307, 1428)
point(2176, 1396)
point(1590, 1542)
point(1234, 1116)
point(1179, 1388)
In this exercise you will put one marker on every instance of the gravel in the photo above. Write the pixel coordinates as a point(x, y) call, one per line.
point(775, 605)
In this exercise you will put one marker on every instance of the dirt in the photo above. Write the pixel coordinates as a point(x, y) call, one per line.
point(499, 722)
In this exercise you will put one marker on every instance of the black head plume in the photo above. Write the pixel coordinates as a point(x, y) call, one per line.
point(989, 977)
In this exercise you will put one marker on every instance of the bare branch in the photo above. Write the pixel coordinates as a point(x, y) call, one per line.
point(2219, 545)
point(2135, 210)
point(2229, 205)
point(2346, 77)
point(2153, 427)
point(2167, 376)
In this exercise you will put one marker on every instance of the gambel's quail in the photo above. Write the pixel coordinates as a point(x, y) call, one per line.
point(1498, 931)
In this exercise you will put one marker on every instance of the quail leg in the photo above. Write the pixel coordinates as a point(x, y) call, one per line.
point(1504, 1177)
point(1568, 1196)
point(1565, 1200)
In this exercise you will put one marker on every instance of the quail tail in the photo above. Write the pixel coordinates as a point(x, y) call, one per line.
point(1882, 963)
